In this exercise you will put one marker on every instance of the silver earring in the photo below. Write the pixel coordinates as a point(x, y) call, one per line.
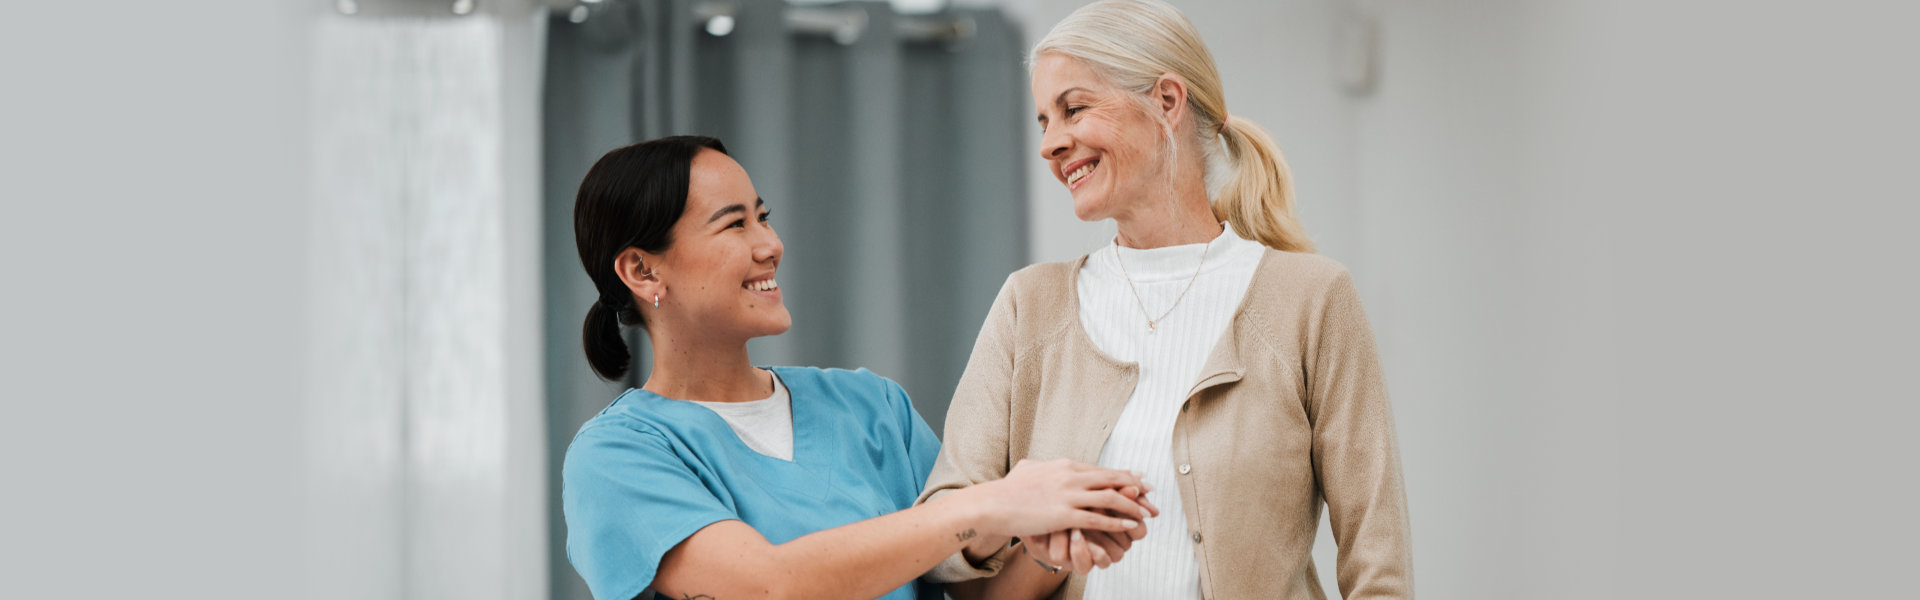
point(656, 301)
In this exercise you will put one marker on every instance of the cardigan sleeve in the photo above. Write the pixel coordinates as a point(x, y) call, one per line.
point(1356, 460)
point(974, 449)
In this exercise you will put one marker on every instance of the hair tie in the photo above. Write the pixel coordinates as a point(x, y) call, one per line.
point(1223, 123)
point(615, 304)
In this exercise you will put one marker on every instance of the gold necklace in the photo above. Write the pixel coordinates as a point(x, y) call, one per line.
point(1151, 321)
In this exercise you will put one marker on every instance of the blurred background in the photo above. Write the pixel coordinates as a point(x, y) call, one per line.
point(293, 304)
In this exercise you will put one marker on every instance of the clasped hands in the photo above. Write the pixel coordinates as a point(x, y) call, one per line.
point(1083, 550)
point(1101, 497)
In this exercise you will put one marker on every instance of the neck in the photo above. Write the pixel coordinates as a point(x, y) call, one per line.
point(1186, 218)
point(1191, 222)
point(697, 368)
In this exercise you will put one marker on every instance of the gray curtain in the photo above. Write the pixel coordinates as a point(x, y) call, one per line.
point(893, 163)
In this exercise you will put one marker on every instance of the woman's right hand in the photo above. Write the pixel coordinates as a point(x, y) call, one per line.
point(1039, 497)
point(1083, 551)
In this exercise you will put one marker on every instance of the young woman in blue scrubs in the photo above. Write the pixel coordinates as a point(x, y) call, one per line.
point(719, 479)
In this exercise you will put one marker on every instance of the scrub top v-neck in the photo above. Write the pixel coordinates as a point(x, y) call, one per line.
point(649, 471)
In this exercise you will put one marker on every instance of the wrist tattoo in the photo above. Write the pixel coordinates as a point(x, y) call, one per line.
point(965, 535)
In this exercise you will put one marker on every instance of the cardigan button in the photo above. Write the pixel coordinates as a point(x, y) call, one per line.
point(1185, 468)
point(1196, 537)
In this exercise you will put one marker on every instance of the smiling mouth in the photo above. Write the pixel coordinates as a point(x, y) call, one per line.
point(764, 285)
point(1081, 173)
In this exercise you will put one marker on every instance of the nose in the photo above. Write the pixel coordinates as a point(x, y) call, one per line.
point(1054, 143)
point(767, 247)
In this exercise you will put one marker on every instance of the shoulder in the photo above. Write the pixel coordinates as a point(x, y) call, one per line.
point(621, 433)
point(1300, 277)
point(627, 415)
point(1299, 284)
point(1038, 295)
point(1301, 268)
point(1042, 278)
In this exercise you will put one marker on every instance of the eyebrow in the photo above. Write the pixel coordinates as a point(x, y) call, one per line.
point(1061, 99)
point(736, 208)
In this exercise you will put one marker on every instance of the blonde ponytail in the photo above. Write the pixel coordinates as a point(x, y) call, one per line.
point(1257, 192)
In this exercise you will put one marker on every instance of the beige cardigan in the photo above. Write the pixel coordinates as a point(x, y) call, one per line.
point(1290, 409)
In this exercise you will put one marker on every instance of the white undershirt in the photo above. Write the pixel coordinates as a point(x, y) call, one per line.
point(766, 425)
point(1162, 565)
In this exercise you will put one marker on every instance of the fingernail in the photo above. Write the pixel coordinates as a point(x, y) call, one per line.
point(1130, 524)
point(1139, 474)
point(1076, 534)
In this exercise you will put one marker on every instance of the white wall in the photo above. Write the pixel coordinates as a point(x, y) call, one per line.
point(150, 233)
point(1638, 266)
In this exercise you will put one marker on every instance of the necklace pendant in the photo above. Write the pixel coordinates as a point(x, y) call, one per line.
point(1150, 329)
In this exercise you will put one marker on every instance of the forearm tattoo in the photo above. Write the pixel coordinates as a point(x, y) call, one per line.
point(965, 535)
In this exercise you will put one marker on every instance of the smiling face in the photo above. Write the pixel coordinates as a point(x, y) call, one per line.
point(718, 273)
point(1099, 141)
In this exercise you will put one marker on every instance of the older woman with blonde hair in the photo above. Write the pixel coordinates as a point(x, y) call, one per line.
point(1207, 347)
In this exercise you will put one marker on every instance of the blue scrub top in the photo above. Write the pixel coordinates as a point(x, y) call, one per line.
point(649, 471)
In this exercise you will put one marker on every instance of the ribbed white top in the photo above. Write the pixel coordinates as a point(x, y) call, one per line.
point(1162, 565)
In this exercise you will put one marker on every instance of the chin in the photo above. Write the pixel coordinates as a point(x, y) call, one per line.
point(1089, 211)
point(777, 325)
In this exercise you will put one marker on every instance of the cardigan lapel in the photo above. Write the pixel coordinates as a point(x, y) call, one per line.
point(1223, 364)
